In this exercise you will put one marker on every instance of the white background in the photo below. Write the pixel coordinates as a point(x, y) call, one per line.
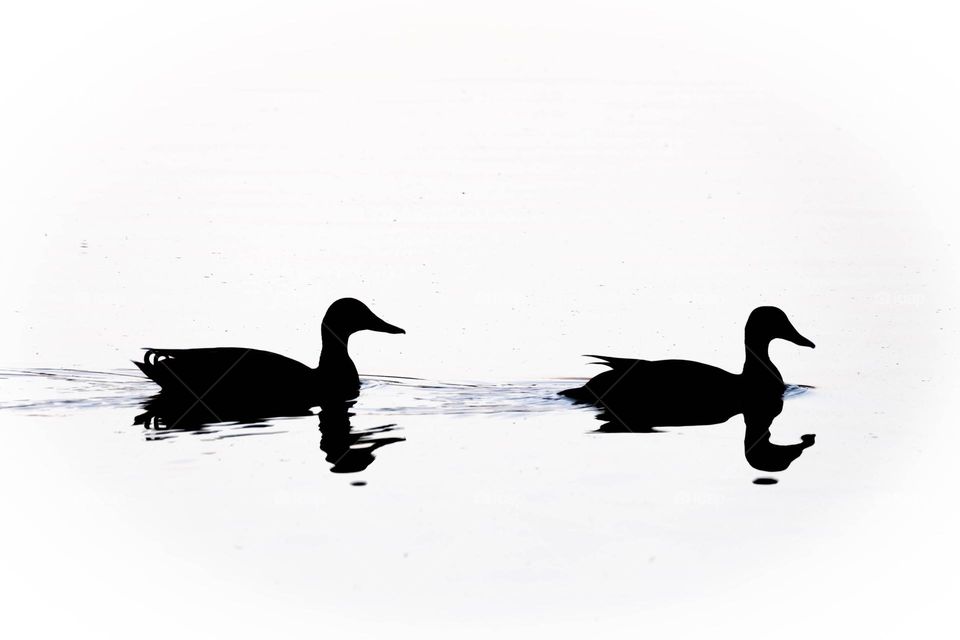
point(515, 184)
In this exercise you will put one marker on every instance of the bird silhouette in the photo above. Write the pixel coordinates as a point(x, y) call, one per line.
point(640, 395)
point(235, 377)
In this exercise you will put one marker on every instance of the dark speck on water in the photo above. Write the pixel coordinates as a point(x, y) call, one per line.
point(358, 483)
point(765, 481)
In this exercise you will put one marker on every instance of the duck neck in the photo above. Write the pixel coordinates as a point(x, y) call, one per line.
point(758, 370)
point(336, 375)
point(334, 354)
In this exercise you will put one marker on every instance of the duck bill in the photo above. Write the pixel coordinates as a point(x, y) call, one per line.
point(384, 327)
point(799, 340)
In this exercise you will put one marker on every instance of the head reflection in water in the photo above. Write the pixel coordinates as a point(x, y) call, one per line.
point(640, 395)
point(347, 450)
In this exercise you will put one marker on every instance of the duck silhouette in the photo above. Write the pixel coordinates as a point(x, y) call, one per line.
point(677, 391)
point(234, 377)
point(640, 395)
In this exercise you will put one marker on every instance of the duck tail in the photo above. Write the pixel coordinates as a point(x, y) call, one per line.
point(148, 366)
point(580, 395)
point(613, 362)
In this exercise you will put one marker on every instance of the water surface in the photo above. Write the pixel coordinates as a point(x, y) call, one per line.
point(477, 486)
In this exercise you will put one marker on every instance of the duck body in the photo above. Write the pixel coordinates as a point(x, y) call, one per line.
point(648, 393)
point(664, 392)
point(237, 376)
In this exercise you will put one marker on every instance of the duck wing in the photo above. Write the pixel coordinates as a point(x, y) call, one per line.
point(655, 381)
point(228, 370)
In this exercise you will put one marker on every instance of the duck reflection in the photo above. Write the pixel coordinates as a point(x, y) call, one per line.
point(640, 395)
point(758, 416)
point(348, 450)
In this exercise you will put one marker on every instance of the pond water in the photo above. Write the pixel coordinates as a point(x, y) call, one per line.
point(436, 504)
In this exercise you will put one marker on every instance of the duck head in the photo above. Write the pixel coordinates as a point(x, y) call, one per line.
point(346, 316)
point(769, 323)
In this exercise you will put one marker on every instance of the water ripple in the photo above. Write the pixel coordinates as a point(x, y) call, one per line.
point(43, 390)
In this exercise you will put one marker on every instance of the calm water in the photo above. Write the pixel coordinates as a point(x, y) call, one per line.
point(450, 502)
point(347, 442)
